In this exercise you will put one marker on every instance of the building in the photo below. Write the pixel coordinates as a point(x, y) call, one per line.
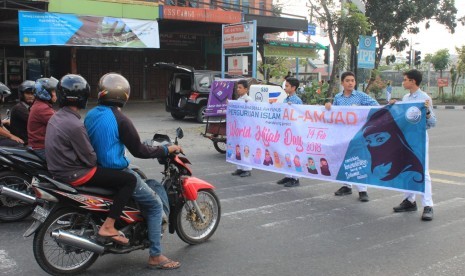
point(187, 32)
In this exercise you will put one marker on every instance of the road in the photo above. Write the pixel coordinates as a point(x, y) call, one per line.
point(267, 229)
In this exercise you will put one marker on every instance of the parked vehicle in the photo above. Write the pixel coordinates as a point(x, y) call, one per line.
point(188, 90)
point(67, 218)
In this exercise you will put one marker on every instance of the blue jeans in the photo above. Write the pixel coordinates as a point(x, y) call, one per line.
point(152, 206)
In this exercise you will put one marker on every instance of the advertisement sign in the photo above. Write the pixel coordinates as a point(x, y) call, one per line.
point(42, 28)
point(366, 52)
point(238, 36)
point(221, 91)
point(443, 82)
point(237, 65)
point(263, 93)
point(382, 147)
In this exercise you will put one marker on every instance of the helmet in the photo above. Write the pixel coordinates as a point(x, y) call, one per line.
point(73, 90)
point(4, 91)
point(114, 89)
point(27, 85)
point(44, 87)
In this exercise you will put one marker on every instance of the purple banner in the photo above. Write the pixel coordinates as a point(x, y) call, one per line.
point(220, 92)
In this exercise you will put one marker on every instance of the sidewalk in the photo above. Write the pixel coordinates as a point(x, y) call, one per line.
point(460, 107)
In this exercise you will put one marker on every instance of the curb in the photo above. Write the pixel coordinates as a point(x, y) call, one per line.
point(457, 107)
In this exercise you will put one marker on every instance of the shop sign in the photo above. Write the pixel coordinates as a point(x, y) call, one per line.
point(200, 15)
point(179, 41)
point(237, 36)
point(279, 51)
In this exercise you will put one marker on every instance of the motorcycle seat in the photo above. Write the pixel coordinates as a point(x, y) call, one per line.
point(95, 190)
point(22, 152)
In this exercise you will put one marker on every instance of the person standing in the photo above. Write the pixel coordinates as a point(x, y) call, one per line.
point(290, 88)
point(242, 92)
point(388, 91)
point(20, 112)
point(412, 80)
point(349, 97)
point(71, 158)
point(40, 112)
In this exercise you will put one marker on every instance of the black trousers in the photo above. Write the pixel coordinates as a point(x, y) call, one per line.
point(124, 183)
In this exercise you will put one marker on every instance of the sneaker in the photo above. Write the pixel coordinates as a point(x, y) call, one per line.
point(406, 206)
point(363, 197)
point(245, 174)
point(283, 181)
point(237, 172)
point(292, 183)
point(427, 213)
point(344, 190)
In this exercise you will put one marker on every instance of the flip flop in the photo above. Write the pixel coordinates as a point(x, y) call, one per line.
point(108, 239)
point(163, 265)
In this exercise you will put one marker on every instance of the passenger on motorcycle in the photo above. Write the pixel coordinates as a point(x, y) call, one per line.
point(71, 158)
point(6, 138)
point(40, 113)
point(20, 112)
point(110, 131)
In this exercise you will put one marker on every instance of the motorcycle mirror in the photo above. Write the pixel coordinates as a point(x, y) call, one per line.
point(179, 133)
point(8, 112)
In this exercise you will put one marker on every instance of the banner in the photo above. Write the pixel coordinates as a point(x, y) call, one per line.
point(377, 146)
point(42, 28)
point(221, 91)
point(366, 52)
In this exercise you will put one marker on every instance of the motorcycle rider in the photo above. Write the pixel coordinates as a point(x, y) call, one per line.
point(110, 131)
point(20, 112)
point(71, 158)
point(40, 112)
point(6, 138)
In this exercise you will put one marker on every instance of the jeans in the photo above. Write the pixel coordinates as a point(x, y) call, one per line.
point(152, 207)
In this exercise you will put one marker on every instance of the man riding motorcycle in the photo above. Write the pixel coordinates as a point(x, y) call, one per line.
point(6, 138)
point(20, 112)
point(110, 131)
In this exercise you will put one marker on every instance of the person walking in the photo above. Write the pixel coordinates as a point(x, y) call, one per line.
point(242, 92)
point(412, 80)
point(388, 91)
point(349, 97)
point(290, 88)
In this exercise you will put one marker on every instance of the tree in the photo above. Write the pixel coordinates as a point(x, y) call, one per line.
point(342, 26)
point(440, 61)
point(391, 19)
point(458, 70)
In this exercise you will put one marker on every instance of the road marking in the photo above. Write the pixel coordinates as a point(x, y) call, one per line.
point(445, 181)
point(5, 261)
point(447, 173)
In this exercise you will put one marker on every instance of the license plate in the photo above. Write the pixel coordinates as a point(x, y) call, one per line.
point(40, 213)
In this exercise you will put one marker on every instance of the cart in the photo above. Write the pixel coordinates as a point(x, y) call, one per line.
point(215, 130)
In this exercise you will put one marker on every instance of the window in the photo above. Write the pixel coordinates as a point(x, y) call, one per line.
point(245, 6)
point(261, 6)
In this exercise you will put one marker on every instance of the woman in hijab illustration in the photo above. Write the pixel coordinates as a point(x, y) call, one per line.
point(277, 161)
point(298, 166)
point(288, 160)
point(246, 157)
point(324, 167)
point(311, 166)
point(238, 152)
point(257, 159)
point(268, 160)
point(390, 153)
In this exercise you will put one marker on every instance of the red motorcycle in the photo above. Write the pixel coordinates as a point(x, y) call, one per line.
point(67, 219)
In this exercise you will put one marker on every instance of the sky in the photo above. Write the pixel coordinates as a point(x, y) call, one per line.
point(427, 41)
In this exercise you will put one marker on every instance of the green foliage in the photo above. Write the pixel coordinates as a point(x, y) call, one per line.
point(275, 67)
point(315, 93)
point(377, 86)
point(441, 60)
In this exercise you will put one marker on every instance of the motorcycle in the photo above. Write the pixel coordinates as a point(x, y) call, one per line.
point(67, 219)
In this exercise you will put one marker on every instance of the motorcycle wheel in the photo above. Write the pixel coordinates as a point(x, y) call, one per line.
point(60, 259)
point(13, 209)
point(189, 227)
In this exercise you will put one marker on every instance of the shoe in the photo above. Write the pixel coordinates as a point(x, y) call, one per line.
point(237, 172)
point(406, 206)
point(363, 197)
point(344, 190)
point(283, 181)
point(427, 213)
point(292, 183)
point(245, 174)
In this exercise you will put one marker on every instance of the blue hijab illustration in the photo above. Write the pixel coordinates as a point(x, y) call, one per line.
point(390, 152)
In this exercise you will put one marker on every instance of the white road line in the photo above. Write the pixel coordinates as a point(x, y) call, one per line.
point(445, 181)
point(447, 173)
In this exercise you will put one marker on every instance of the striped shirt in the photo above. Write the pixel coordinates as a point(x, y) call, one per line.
point(355, 98)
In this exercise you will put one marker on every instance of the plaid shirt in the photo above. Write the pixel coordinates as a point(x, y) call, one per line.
point(356, 98)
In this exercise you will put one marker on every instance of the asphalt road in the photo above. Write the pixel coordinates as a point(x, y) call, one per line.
point(267, 229)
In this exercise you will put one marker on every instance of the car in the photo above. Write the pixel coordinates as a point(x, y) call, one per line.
point(188, 90)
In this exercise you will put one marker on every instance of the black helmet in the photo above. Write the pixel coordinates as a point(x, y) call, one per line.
point(25, 86)
point(44, 87)
point(4, 91)
point(73, 90)
point(114, 90)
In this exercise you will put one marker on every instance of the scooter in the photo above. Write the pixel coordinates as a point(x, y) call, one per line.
point(67, 219)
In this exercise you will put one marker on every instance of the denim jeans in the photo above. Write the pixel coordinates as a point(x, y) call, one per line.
point(152, 207)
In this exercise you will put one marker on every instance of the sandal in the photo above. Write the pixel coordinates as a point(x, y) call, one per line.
point(108, 239)
point(165, 265)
